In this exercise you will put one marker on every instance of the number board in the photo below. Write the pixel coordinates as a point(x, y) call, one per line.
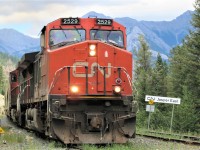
point(104, 22)
point(70, 21)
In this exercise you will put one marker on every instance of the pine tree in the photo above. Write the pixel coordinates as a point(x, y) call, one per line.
point(177, 73)
point(159, 88)
point(142, 71)
point(159, 75)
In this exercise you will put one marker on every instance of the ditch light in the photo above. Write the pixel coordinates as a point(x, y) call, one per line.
point(117, 89)
point(74, 89)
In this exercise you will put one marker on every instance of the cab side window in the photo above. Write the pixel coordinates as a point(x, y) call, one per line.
point(13, 78)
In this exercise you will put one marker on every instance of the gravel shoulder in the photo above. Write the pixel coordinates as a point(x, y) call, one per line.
point(155, 144)
point(16, 138)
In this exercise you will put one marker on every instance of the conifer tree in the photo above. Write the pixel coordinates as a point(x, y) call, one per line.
point(142, 71)
point(159, 75)
point(159, 88)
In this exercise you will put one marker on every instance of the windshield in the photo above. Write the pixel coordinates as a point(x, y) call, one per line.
point(66, 36)
point(112, 36)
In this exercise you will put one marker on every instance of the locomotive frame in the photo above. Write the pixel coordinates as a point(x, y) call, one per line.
point(77, 90)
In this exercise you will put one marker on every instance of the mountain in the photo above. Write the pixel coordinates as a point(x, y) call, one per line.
point(92, 14)
point(161, 36)
point(16, 43)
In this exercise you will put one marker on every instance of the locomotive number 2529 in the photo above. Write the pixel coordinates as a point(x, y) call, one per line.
point(69, 21)
point(105, 22)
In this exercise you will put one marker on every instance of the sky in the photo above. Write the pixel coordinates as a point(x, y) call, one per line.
point(29, 16)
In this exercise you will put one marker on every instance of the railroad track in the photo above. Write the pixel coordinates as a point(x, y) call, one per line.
point(186, 139)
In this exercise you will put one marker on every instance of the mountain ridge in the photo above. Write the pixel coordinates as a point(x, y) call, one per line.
point(161, 36)
point(16, 43)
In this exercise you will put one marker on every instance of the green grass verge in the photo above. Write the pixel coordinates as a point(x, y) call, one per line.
point(12, 138)
point(127, 146)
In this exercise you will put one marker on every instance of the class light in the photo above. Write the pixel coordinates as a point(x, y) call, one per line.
point(92, 47)
point(117, 89)
point(74, 89)
point(92, 50)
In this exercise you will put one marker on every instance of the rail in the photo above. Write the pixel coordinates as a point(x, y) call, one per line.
point(186, 139)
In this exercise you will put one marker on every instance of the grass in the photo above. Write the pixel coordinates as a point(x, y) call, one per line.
point(55, 144)
point(159, 145)
point(11, 138)
point(127, 146)
point(24, 142)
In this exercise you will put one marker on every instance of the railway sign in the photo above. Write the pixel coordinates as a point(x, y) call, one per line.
point(151, 99)
point(150, 108)
point(151, 102)
point(159, 99)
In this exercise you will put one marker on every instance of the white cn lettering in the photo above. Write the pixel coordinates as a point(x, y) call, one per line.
point(93, 66)
point(106, 54)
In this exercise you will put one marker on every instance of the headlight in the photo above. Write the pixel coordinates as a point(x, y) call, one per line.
point(74, 89)
point(92, 53)
point(92, 50)
point(117, 89)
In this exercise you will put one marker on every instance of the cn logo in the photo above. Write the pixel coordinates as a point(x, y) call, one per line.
point(93, 66)
point(151, 98)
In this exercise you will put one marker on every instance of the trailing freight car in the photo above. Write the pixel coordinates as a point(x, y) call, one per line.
point(78, 88)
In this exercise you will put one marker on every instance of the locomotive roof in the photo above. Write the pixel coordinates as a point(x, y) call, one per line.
point(27, 59)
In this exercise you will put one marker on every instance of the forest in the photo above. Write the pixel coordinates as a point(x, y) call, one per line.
point(7, 63)
point(178, 78)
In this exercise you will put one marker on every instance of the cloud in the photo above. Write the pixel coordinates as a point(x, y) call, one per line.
point(37, 13)
point(152, 10)
point(37, 16)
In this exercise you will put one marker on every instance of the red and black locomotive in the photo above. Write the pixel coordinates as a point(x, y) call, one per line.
point(78, 88)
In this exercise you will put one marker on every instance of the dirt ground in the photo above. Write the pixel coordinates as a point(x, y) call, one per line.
point(2, 103)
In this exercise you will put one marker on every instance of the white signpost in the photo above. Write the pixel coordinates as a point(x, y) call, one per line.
point(158, 99)
point(150, 108)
